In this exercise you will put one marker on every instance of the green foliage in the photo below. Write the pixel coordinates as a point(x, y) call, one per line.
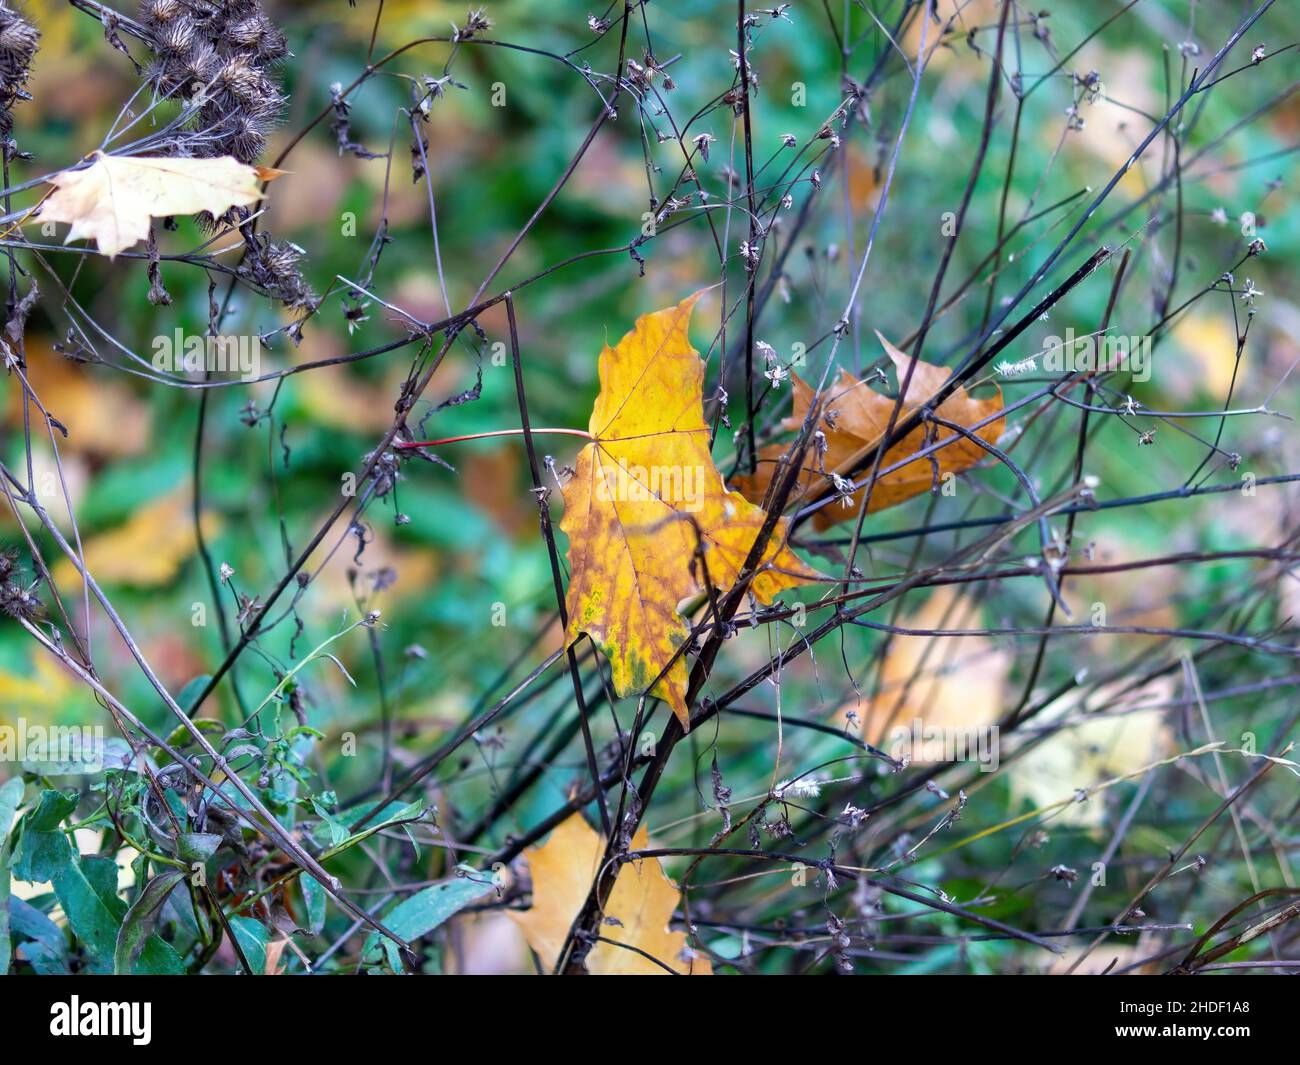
point(422, 912)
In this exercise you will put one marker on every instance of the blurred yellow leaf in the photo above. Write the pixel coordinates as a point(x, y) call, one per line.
point(102, 415)
point(959, 681)
point(865, 186)
point(1211, 342)
point(387, 571)
point(274, 949)
point(147, 550)
point(641, 905)
point(46, 687)
point(1093, 747)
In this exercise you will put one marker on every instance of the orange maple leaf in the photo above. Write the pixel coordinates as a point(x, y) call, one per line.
point(854, 419)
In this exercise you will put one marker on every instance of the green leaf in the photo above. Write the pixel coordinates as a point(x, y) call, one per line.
point(392, 813)
point(39, 855)
point(10, 796)
point(140, 919)
point(181, 736)
point(31, 923)
point(44, 945)
point(76, 884)
point(315, 896)
point(190, 693)
point(427, 909)
point(102, 872)
point(252, 939)
point(338, 830)
point(304, 730)
point(194, 847)
point(159, 958)
point(51, 809)
point(42, 848)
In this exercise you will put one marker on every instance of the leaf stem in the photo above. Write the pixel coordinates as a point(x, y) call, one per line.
point(483, 436)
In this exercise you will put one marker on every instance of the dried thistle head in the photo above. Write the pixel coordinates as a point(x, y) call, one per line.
point(273, 266)
point(157, 13)
point(257, 35)
point(19, 40)
point(20, 601)
point(476, 22)
point(226, 51)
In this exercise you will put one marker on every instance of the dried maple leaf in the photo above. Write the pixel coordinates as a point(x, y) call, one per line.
point(644, 494)
point(112, 200)
point(854, 418)
point(640, 906)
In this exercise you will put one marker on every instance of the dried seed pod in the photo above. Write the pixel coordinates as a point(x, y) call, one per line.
point(225, 50)
point(154, 14)
point(174, 39)
point(19, 40)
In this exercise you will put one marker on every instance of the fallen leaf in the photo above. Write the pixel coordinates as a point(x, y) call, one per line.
point(1126, 601)
point(1098, 963)
point(1096, 741)
point(104, 417)
point(1210, 341)
point(958, 64)
point(274, 949)
point(387, 571)
point(314, 188)
point(147, 550)
point(640, 906)
point(488, 943)
point(643, 491)
point(112, 200)
point(864, 179)
point(1100, 145)
point(492, 483)
point(340, 398)
point(942, 681)
point(854, 418)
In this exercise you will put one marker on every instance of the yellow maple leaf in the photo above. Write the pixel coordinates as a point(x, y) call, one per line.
point(147, 550)
point(641, 904)
point(112, 200)
point(644, 494)
point(853, 420)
